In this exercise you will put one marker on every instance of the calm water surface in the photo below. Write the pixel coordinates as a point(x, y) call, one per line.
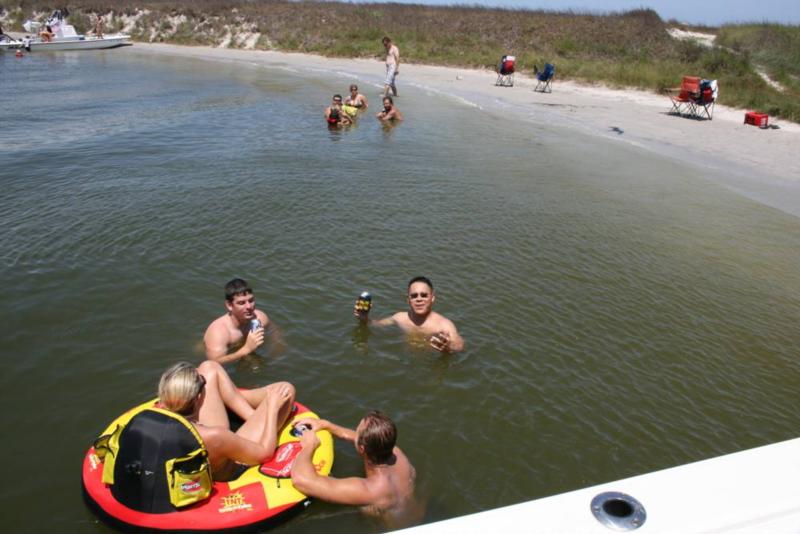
point(622, 313)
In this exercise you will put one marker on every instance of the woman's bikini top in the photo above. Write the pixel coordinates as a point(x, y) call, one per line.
point(352, 102)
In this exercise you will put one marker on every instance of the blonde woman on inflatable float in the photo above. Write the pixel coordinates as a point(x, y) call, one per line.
point(173, 463)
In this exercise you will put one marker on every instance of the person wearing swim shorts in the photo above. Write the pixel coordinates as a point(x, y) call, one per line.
point(420, 319)
point(392, 66)
point(387, 490)
point(204, 394)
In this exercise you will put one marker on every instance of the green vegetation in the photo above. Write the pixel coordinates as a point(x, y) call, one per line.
point(776, 50)
point(631, 49)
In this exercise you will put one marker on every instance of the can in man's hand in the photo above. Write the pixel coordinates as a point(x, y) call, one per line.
point(364, 302)
point(255, 324)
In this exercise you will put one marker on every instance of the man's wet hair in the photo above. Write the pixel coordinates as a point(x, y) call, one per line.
point(424, 279)
point(235, 287)
point(378, 437)
point(337, 96)
point(386, 40)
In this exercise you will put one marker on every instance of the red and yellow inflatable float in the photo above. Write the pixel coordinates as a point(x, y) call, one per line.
point(260, 495)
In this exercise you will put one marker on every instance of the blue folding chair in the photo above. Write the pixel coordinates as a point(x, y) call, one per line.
point(544, 79)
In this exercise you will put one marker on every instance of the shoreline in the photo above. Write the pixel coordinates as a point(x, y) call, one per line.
point(759, 164)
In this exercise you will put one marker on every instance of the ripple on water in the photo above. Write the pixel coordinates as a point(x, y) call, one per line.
point(620, 316)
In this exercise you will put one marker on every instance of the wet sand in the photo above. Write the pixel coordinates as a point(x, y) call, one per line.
point(760, 164)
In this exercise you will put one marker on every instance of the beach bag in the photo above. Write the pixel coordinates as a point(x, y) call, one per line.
point(189, 478)
point(106, 448)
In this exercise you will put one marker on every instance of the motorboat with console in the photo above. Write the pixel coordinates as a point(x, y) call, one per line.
point(64, 37)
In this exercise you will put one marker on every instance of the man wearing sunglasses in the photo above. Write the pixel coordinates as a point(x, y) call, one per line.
point(236, 334)
point(420, 319)
point(335, 115)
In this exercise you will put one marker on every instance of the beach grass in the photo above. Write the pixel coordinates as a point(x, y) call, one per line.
point(626, 49)
point(774, 48)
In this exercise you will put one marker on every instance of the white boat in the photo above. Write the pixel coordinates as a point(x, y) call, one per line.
point(83, 43)
point(747, 492)
point(9, 43)
point(64, 37)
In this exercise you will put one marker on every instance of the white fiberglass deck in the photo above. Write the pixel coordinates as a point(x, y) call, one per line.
point(753, 491)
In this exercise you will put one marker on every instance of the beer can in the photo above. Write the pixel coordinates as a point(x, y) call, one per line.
point(298, 430)
point(255, 324)
point(364, 302)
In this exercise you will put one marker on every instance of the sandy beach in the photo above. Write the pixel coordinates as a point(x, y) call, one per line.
point(761, 164)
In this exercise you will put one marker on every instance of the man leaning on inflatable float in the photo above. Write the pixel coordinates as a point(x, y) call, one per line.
point(151, 468)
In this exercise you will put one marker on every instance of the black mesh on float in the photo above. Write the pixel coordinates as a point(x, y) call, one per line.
point(146, 443)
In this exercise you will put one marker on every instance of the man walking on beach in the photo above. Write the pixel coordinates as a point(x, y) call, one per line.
point(420, 319)
point(392, 66)
point(387, 492)
point(233, 336)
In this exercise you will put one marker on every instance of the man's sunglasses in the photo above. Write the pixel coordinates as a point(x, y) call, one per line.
point(415, 295)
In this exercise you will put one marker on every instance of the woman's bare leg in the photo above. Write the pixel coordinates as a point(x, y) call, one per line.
point(263, 425)
point(221, 393)
point(254, 396)
point(285, 410)
point(257, 395)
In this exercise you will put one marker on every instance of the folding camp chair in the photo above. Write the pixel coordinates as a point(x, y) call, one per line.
point(505, 71)
point(544, 79)
point(683, 103)
point(704, 105)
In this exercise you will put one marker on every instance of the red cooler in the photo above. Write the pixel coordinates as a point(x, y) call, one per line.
point(756, 119)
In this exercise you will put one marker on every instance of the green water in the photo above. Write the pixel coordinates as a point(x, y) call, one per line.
point(622, 313)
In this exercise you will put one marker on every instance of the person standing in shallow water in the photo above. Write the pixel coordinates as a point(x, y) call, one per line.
point(392, 66)
point(387, 491)
point(420, 319)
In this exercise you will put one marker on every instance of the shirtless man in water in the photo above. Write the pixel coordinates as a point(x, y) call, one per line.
point(389, 111)
point(387, 491)
point(420, 318)
point(229, 337)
